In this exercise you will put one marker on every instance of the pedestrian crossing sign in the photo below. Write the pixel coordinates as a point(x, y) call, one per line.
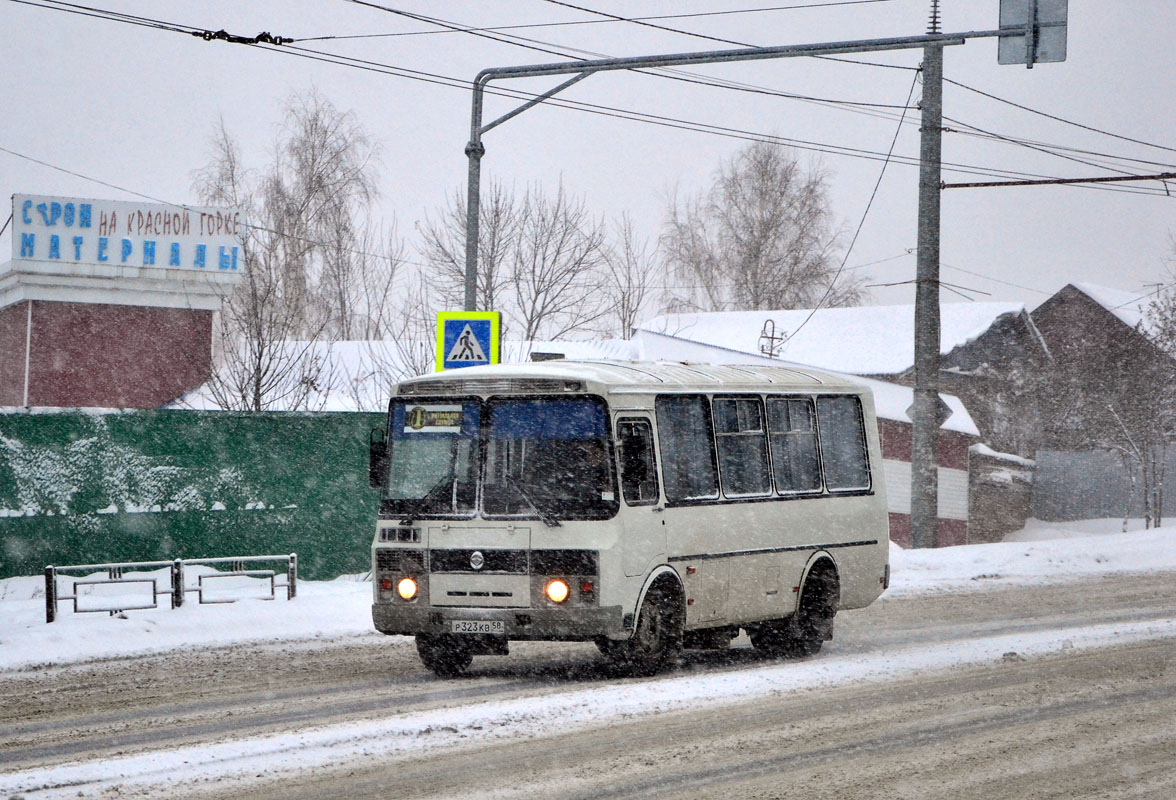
point(467, 338)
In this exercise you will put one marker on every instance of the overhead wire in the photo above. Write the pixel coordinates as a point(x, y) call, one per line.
point(665, 73)
point(664, 121)
point(113, 16)
point(995, 280)
point(1096, 154)
point(1056, 118)
point(1027, 145)
point(861, 222)
point(643, 22)
point(450, 25)
point(570, 23)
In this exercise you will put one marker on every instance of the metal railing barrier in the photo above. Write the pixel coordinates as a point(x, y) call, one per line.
point(175, 590)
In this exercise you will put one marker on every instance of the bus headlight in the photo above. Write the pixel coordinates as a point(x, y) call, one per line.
point(557, 590)
point(406, 588)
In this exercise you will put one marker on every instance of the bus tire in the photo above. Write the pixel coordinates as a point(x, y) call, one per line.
point(446, 655)
point(657, 636)
point(803, 633)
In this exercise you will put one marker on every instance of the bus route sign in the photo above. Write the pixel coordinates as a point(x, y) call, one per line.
point(467, 338)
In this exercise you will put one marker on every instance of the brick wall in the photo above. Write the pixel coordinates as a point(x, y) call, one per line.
point(13, 322)
point(114, 356)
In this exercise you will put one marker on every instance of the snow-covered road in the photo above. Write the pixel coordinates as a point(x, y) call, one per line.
point(98, 714)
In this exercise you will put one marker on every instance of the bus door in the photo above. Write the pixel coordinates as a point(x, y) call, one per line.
point(643, 522)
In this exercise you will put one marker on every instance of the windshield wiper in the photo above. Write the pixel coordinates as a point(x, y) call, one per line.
point(548, 518)
point(416, 506)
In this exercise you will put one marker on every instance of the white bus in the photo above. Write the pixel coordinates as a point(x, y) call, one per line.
point(643, 506)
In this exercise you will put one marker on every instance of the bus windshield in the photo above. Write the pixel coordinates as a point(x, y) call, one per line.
point(433, 458)
point(545, 458)
point(548, 457)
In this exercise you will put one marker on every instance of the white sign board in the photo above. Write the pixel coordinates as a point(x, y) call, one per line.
point(69, 230)
point(1048, 18)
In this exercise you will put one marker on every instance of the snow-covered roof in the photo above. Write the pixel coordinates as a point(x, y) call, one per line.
point(1129, 307)
point(600, 349)
point(862, 340)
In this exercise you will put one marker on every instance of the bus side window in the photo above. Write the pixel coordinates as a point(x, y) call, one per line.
point(843, 443)
point(792, 431)
point(638, 470)
point(687, 442)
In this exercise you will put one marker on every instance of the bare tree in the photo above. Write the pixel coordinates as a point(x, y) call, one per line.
point(1121, 400)
point(445, 246)
point(405, 350)
point(762, 237)
point(556, 266)
point(629, 275)
point(310, 274)
point(360, 284)
point(316, 192)
point(540, 260)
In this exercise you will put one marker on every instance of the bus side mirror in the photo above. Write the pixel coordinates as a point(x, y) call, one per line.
point(377, 458)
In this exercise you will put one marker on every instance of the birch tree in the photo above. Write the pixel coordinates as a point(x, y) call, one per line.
point(631, 269)
point(761, 237)
point(315, 270)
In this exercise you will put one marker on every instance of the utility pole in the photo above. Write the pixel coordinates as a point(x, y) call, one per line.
point(925, 418)
point(1030, 32)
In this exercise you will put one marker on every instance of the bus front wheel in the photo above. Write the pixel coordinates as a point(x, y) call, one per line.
point(657, 636)
point(445, 655)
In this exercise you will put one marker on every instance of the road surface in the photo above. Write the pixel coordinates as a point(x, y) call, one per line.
point(1077, 723)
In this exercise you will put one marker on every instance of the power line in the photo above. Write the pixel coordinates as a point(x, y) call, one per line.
point(565, 103)
point(644, 24)
point(1025, 144)
point(1163, 177)
point(457, 27)
point(1060, 119)
point(608, 111)
point(1066, 148)
point(545, 47)
point(995, 280)
point(697, 14)
point(643, 21)
point(862, 222)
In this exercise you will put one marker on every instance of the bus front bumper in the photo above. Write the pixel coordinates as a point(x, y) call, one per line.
point(551, 624)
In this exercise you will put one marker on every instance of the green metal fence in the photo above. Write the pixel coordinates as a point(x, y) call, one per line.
point(88, 487)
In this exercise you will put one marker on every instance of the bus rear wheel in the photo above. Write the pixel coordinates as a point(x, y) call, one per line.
point(656, 639)
point(803, 633)
point(446, 655)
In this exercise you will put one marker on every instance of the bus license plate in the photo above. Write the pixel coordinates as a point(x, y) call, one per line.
point(477, 626)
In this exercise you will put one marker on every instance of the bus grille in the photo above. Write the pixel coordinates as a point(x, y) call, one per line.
point(513, 562)
point(410, 561)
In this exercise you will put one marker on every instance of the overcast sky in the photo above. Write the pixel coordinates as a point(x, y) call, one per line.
point(135, 106)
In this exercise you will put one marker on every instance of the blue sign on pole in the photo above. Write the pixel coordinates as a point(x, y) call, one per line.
point(467, 339)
